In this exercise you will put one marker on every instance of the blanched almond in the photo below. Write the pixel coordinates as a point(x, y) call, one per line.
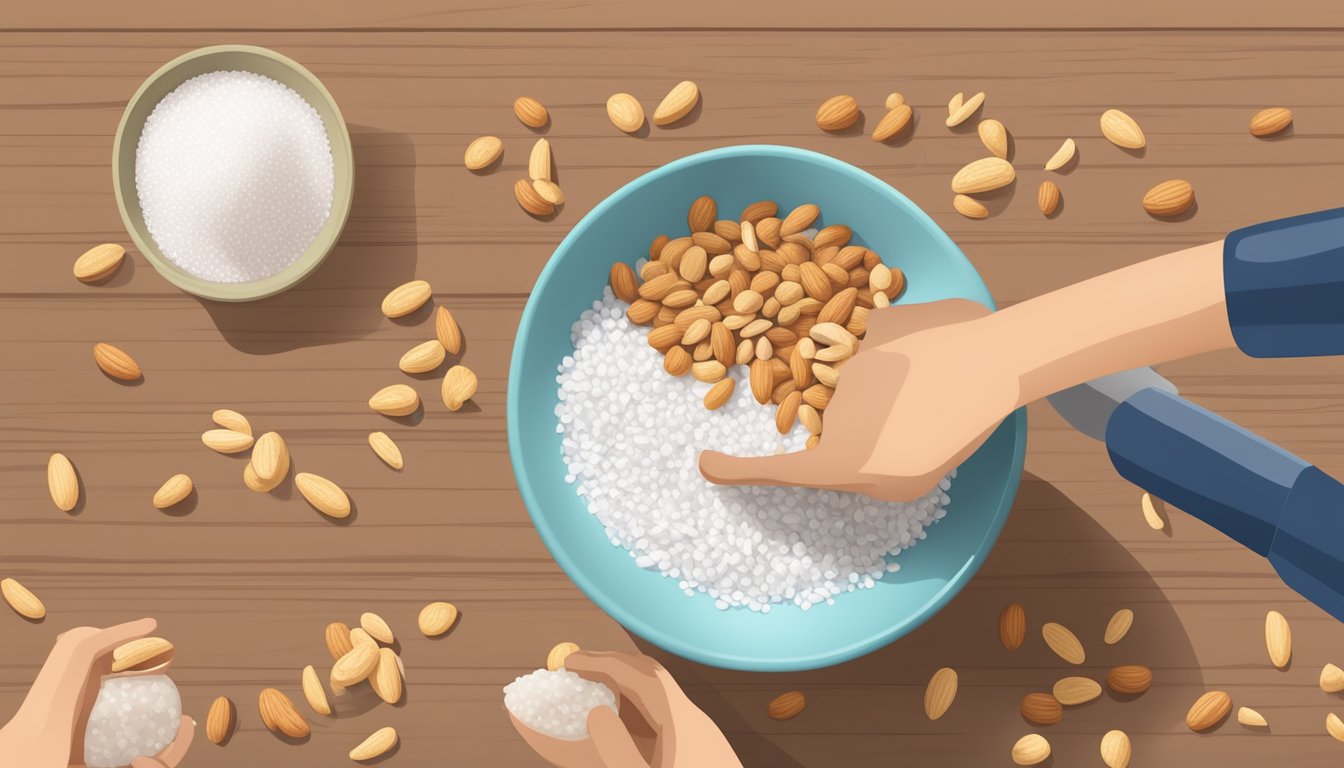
point(395, 400)
point(231, 420)
point(625, 112)
point(226, 440)
point(375, 745)
point(386, 449)
point(279, 714)
point(142, 653)
point(377, 628)
point(1064, 643)
point(325, 496)
point(99, 262)
point(62, 482)
point(677, 103)
point(175, 490)
point(1122, 130)
point(483, 152)
point(994, 136)
point(1062, 156)
point(1118, 626)
point(969, 207)
point(406, 298)
point(965, 110)
point(940, 692)
point(313, 691)
point(556, 658)
point(1278, 639)
point(983, 175)
point(437, 618)
point(386, 677)
point(22, 600)
point(459, 386)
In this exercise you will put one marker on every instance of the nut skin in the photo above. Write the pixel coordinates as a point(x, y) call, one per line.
point(1129, 679)
point(1041, 709)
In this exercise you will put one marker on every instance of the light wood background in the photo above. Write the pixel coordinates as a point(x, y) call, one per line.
point(244, 583)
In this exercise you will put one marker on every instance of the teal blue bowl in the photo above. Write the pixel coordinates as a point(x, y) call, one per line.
point(649, 604)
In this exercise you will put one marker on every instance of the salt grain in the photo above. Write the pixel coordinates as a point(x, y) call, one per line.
point(556, 703)
point(632, 435)
point(132, 717)
point(234, 175)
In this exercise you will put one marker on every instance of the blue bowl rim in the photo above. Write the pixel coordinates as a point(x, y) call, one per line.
point(593, 591)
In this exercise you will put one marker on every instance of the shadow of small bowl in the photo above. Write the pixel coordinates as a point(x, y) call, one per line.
point(223, 58)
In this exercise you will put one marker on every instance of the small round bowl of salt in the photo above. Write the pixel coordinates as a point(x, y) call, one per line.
point(233, 172)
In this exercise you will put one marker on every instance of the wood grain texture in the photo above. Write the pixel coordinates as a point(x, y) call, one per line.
point(244, 584)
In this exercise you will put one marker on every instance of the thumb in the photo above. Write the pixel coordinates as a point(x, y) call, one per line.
point(798, 468)
point(615, 747)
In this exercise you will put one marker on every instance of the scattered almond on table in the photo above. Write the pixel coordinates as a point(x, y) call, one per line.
point(1332, 679)
point(1115, 749)
point(1041, 708)
point(376, 744)
point(22, 600)
point(1268, 122)
point(437, 618)
point(62, 482)
point(531, 112)
point(963, 109)
point(1278, 639)
point(99, 262)
point(313, 692)
point(1074, 690)
point(940, 693)
point(1047, 197)
point(1154, 512)
point(279, 714)
point(1208, 711)
point(220, 719)
point(625, 112)
point(1251, 718)
point(1122, 130)
point(1063, 642)
point(406, 298)
point(395, 400)
point(838, 113)
point(483, 152)
point(994, 136)
point(1129, 679)
point(677, 104)
point(324, 495)
point(1031, 749)
point(114, 362)
point(1062, 156)
point(1170, 198)
point(387, 450)
point(1013, 626)
point(174, 491)
point(1118, 626)
point(786, 706)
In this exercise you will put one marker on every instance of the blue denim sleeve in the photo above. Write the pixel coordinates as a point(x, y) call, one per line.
point(1284, 282)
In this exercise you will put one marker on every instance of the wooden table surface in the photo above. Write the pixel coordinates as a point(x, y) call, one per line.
point(244, 583)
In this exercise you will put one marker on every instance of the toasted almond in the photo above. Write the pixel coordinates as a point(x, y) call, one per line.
point(940, 692)
point(761, 378)
point(338, 641)
point(837, 113)
point(231, 420)
point(1063, 642)
point(175, 490)
point(377, 628)
point(1041, 709)
point(965, 110)
point(386, 677)
point(677, 103)
point(142, 653)
point(1047, 197)
point(437, 618)
point(1074, 690)
point(1121, 130)
point(840, 306)
point(357, 663)
point(994, 136)
point(62, 482)
point(969, 207)
point(325, 496)
point(226, 440)
point(448, 332)
point(377, 744)
point(219, 720)
point(406, 298)
point(1012, 626)
point(1118, 626)
point(1031, 749)
point(786, 706)
point(1115, 749)
point(799, 219)
point(623, 284)
point(530, 112)
point(279, 714)
point(314, 692)
point(1170, 198)
point(423, 357)
point(787, 413)
point(483, 152)
point(459, 386)
point(625, 112)
point(1334, 726)
point(556, 658)
point(1278, 639)
point(115, 362)
point(1154, 512)
point(1062, 156)
point(1250, 718)
point(99, 262)
point(719, 394)
point(1208, 711)
point(387, 450)
point(395, 400)
point(893, 100)
point(983, 175)
point(1129, 679)
point(530, 199)
point(1332, 679)
point(23, 601)
point(269, 456)
point(893, 123)
point(1266, 122)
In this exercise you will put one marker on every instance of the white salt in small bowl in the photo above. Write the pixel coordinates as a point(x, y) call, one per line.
point(232, 58)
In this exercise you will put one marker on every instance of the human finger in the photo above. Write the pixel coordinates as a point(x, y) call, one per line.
point(613, 742)
point(798, 468)
point(171, 755)
point(107, 640)
point(633, 677)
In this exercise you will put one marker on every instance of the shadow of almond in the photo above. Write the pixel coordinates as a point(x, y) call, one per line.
point(1055, 560)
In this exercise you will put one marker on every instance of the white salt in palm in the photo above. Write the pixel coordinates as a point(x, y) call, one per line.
point(132, 717)
point(556, 703)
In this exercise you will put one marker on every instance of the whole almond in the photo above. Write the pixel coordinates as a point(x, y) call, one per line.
point(799, 219)
point(539, 161)
point(62, 482)
point(556, 658)
point(268, 456)
point(255, 483)
point(965, 110)
point(1121, 130)
point(1154, 512)
point(483, 152)
point(702, 214)
point(1063, 642)
point(1332, 679)
point(677, 103)
point(1012, 626)
point(893, 123)
point(1266, 122)
point(623, 285)
point(99, 262)
point(954, 103)
point(1334, 726)
point(759, 210)
point(1118, 626)
point(313, 691)
point(1250, 718)
point(406, 298)
point(994, 136)
point(940, 692)
point(395, 400)
point(837, 113)
point(142, 653)
point(1129, 679)
point(719, 394)
point(386, 677)
point(983, 175)
point(325, 496)
point(423, 357)
point(174, 491)
point(1041, 709)
point(377, 628)
point(1071, 691)
point(530, 200)
point(437, 618)
point(625, 112)
point(1170, 198)
point(969, 207)
point(1062, 156)
point(1278, 639)
point(1208, 711)
point(226, 440)
point(815, 281)
point(787, 413)
point(23, 601)
point(839, 308)
point(549, 191)
point(356, 665)
point(1115, 749)
point(448, 332)
point(786, 706)
point(375, 745)
point(1047, 197)
point(279, 714)
point(386, 449)
point(530, 112)
point(219, 720)
point(231, 420)
point(459, 386)
point(1031, 749)
point(762, 380)
point(116, 363)
point(337, 637)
